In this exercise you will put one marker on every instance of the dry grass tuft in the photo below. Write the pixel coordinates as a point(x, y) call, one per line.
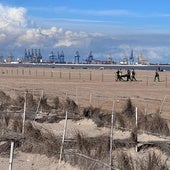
point(126, 118)
point(97, 147)
point(37, 141)
point(100, 117)
point(19, 102)
point(153, 123)
point(17, 125)
point(83, 144)
point(4, 98)
point(124, 161)
point(56, 102)
point(44, 105)
point(152, 162)
point(70, 105)
point(159, 125)
point(129, 109)
point(31, 102)
point(5, 101)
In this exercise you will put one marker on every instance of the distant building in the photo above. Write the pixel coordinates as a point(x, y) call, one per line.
point(89, 59)
point(33, 55)
point(142, 60)
point(10, 58)
point(77, 58)
point(61, 57)
point(1, 58)
point(53, 58)
point(131, 58)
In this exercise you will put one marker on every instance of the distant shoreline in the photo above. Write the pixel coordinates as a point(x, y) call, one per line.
point(89, 66)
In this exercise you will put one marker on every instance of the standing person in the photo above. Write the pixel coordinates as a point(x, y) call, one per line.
point(133, 75)
point(156, 76)
point(120, 72)
point(118, 75)
point(128, 75)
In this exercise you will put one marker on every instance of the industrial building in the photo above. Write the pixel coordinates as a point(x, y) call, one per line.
point(60, 58)
point(33, 56)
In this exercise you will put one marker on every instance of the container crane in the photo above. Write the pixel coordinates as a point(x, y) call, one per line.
point(76, 57)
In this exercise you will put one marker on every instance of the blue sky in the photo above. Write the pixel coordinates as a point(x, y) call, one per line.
point(105, 15)
point(121, 24)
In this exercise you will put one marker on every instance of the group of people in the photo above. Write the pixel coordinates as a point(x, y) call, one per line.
point(130, 75)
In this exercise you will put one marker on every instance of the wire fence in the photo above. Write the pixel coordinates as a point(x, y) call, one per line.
point(84, 96)
point(78, 74)
point(98, 100)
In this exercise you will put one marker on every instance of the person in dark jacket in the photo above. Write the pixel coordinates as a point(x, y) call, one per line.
point(133, 75)
point(128, 75)
point(156, 76)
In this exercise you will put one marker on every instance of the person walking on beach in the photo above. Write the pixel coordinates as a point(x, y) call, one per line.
point(128, 75)
point(119, 74)
point(156, 76)
point(133, 75)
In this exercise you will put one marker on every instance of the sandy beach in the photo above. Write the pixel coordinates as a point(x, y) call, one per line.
point(86, 87)
point(91, 86)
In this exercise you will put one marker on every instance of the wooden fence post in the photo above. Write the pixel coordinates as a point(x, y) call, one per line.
point(23, 123)
point(42, 94)
point(90, 99)
point(111, 135)
point(90, 76)
point(11, 155)
point(76, 96)
point(66, 96)
point(64, 134)
point(102, 77)
point(166, 81)
point(147, 83)
point(79, 75)
point(136, 124)
point(69, 75)
point(51, 73)
point(29, 71)
point(22, 71)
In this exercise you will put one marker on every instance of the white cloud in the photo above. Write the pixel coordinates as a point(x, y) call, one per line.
point(110, 12)
point(31, 35)
point(11, 17)
point(16, 35)
point(153, 55)
point(113, 12)
point(65, 42)
point(2, 37)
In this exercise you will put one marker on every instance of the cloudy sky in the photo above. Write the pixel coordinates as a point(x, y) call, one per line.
point(105, 27)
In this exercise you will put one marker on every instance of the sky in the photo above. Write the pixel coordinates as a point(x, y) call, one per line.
point(105, 27)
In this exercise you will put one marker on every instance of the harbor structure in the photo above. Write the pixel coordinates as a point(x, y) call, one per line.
point(32, 56)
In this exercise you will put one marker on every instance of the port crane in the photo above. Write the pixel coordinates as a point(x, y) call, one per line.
point(61, 57)
point(76, 58)
point(90, 58)
point(142, 60)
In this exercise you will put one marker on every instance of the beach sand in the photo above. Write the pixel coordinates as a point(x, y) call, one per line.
point(86, 87)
